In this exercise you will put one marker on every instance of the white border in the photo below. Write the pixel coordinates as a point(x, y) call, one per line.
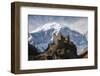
point(25, 64)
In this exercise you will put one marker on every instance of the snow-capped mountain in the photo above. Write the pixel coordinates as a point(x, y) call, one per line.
point(42, 36)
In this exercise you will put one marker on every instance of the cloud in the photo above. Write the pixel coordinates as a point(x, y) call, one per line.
point(79, 24)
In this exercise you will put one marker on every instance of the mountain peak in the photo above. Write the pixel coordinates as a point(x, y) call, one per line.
point(47, 26)
point(53, 25)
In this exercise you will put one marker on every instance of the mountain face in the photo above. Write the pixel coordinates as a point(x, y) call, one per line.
point(43, 36)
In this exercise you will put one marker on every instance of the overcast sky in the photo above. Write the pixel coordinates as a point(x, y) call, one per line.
point(79, 24)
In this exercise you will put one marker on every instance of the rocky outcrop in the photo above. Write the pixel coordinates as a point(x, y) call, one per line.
point(62, 48)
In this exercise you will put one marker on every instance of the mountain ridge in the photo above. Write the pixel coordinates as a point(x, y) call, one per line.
point(43, 36)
